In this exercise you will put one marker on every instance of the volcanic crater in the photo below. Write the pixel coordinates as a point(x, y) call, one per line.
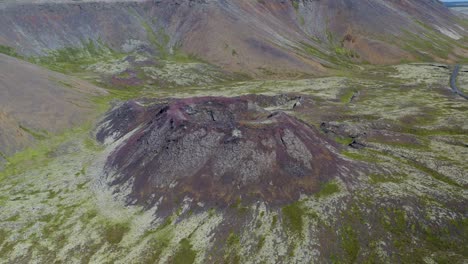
point(215, 150)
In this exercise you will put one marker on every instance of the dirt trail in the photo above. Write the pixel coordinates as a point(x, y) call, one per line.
point(453, 82)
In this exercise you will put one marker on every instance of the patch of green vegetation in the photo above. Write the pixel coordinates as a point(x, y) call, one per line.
point(293, 218)
point(159, 39)
point(76, 59)
point(395, 220)
point(9, 51)
point(347, 95)
point(3, 236)
point(158, 242)
point(40, 155)
point(434, 174)
point(7, 248)
point(295, 4)
point(435, 241)
point(380, 178)
point(12, 218)
point(431, 42)
point(292, 250)
point(52, 194)
point(65, 84)
point(232, 240)
point(231, 249)
point(301, 20)
point(346, 141)
point(274, 221)
point(46, 218)
point(341, 51)
point(328, 189)
point(261, 242)
point(447, 131)
point(405, 145)
point(114, 233)
point(88, 215)
point(337, 61)
point(240, 208)
point(361, 156)
point(350, 243)
point(185, 254)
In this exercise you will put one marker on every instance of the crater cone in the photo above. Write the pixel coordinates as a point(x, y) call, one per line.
point(214, 150)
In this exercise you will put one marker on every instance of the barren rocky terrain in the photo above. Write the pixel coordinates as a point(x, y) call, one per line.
point(232, 132)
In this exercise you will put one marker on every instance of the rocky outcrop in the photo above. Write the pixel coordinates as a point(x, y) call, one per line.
point(215, 150)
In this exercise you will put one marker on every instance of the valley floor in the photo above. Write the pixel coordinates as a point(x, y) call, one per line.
point(409, 207)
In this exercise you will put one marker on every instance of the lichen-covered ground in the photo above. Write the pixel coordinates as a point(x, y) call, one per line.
point(409, 207)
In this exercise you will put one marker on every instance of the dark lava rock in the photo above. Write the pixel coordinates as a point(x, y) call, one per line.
point(214, 151)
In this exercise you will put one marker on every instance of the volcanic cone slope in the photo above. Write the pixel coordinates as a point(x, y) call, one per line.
point(214, 149)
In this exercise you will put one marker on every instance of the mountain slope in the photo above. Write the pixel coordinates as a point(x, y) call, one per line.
point(35, 102)
point(262, 37)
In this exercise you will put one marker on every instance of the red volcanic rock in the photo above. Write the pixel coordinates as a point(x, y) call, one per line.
point(215, 149)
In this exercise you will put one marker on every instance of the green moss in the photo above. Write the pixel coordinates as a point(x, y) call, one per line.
point(185, 254)
point(274, 221)
point(12, 218)
point(261, 242)
point(232, 240)
point(361, 156)
point(338, 62)
point(88, 215)
point(231, 249)
point(3, 236)
point(350, 243)
point(113, 233)
point(41, 154)
point(211, 213)
point(47, 218)
point(436, 175)
point(295, 4)
point(293, 218)
point(6, 248)
point(380, 178)
point(328, 189)
point(159, 39)
point(347, 95)
point(301, 20)
point(292, 250)
point(238, 205)
point(432, 42)
point(158, 242)
point(448, 131)
point(395, 220)
point(52, 194)
point(341, 51)
point(346, 141)
point(76, 59)
point(9, 51)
